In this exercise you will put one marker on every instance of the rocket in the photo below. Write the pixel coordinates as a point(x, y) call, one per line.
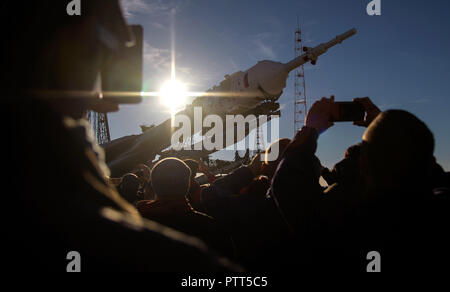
point(254, 91)
point(266, 80)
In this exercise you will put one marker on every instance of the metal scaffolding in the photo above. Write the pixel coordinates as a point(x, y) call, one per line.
point(99, 123)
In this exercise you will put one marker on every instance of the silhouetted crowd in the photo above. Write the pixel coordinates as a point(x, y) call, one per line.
point(388, 193)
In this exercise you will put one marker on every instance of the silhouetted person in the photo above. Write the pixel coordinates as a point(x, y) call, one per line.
point(402, 213)
point(171, 179)
point(143, 174)
point(129, 188)
point(193, 166)
point(52, 62)
point(259, 233)
point(270, 166)
point(261, 183)
point(195, 189)
point(345, 176)
point(396, 215)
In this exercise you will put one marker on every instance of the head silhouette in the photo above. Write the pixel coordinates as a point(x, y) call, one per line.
point(143, 173)
point(129, 187)
point(170, 178)
point(397, 151)
point(51, 53)
point(347, 171)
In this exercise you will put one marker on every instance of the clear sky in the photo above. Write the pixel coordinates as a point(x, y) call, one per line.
point(400, 59)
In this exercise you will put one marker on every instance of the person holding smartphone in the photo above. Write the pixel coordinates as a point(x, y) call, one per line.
point(395, 213)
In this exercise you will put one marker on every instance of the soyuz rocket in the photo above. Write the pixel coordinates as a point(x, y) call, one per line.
point(266, 80)
point(254, 91)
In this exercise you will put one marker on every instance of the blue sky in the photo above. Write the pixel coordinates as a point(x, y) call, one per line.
point(400, 59)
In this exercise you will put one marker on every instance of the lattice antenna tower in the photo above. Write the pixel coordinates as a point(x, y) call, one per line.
point(300, 108)
point(259, 139)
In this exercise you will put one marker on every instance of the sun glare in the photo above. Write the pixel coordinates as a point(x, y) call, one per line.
point(173, 94)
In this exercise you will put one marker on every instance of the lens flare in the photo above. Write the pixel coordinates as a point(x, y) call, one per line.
point(173, 94)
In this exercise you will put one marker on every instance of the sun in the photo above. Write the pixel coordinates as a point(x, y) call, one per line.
point(173, 94)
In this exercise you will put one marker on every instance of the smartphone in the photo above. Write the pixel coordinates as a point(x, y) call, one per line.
point(121, 78)
point(348, 111)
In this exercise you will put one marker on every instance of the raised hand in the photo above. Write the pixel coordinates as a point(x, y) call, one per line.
point(371, 110)
point(320, 113)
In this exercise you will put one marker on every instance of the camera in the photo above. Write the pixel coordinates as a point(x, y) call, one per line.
point(348, 111)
